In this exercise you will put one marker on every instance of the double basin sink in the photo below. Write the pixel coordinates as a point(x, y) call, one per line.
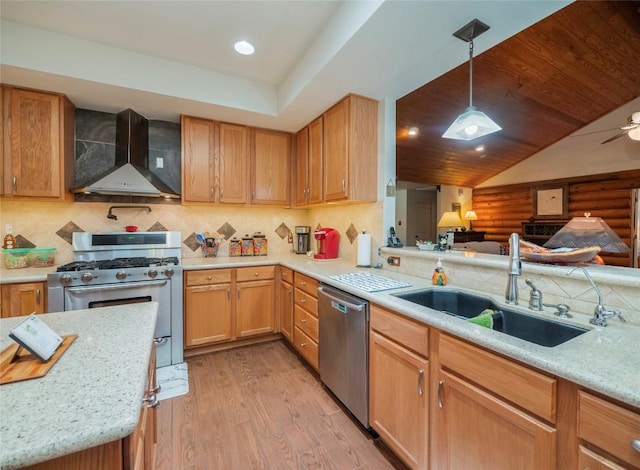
point(465, 305)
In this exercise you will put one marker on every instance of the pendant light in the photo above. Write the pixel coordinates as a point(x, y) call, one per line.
point(472, 123)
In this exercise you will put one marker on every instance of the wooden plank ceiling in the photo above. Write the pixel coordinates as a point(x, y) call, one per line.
point(540, 86)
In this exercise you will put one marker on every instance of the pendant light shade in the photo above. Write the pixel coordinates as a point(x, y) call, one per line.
point(472, 123)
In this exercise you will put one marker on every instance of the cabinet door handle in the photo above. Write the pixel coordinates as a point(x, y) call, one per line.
point(636, 444)
point(440, 387)
point(213, 192)
point(253, 194)
point(229, 294)
point(153, 401)
point(238, 292)
point(15, 183)
point(155, 389)
point(344, 185)
point(420, 382)
point(221, 193)
point(160, 340)
point(38, 296)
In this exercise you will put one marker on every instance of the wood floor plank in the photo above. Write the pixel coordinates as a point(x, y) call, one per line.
point(259, 407)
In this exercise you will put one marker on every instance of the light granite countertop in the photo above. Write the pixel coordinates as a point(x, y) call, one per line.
point(91, 396)
point(606, 360)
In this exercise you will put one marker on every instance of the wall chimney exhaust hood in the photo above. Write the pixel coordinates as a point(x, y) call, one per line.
point(131, 175)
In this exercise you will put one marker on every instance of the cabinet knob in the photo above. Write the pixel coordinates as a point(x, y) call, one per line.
point(256, 274)
point(636, 444)
point(303, 301)
point(209, 278)
point(303, 283)
point(303, 345)
point(304, 320)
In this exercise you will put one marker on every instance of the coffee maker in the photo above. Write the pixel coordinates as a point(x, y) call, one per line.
point(328, 240)
point(303, 240)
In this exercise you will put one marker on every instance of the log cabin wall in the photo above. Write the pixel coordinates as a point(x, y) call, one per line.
point(502, 209)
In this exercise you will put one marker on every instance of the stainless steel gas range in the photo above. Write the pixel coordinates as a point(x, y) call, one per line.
point(121, 268)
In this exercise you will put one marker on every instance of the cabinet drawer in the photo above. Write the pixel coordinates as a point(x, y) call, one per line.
point(592, 461)
point(609, 427)
point(286, 275)
point(306, 301)
point(527, 388)
point(403, 331)
point(306, 283)
point(256, 273)
point(208, 276)
point(306, 322)
point(305, 346)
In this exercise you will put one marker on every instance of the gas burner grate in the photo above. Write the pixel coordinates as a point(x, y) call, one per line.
point(369, 282)
point(119, 263)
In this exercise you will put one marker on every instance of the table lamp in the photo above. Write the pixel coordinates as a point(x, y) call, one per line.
point(471, 216)
point(450, 219)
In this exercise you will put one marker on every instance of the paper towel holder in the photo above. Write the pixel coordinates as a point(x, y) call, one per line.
point(363, 252)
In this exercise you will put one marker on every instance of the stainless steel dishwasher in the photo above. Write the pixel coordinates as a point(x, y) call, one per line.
point(344, 349)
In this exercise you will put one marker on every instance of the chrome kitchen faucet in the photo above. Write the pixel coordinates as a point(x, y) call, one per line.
point(600, 314)
point(514, 269)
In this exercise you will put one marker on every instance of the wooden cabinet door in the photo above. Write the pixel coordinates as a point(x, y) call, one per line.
point(233, 165)
point(286, 310)
point(35, 166)
point(302, 167)
point(255, 308)
point(398, 385)
point(477, 430)
point(198, 157)
point(270, 167)
point(589, 460)
point(207, 314)
point(335, 141)
point(23, 299)
point(315, 159)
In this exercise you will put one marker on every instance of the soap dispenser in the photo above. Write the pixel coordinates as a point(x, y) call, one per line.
point(439, 278)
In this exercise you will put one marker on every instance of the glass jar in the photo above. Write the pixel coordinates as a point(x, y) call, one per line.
point(259, 244)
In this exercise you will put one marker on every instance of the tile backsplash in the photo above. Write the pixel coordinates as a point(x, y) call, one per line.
point(49, 224)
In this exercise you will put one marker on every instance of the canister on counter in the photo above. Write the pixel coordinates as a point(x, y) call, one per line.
point(247, 245)
point(259, 244)
point(235, 247)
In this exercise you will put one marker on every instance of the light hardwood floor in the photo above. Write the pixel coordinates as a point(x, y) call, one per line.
point(259, 407)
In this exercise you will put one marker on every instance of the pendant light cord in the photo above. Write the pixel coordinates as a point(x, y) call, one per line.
point(471, 73)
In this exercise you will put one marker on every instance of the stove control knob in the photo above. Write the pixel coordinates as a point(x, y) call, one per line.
point(121, 275)
point(86, 277)
point(65, 279)
point(168, 272)
point(152, 273)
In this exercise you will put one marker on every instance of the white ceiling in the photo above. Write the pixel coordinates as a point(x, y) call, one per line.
point(166, 58)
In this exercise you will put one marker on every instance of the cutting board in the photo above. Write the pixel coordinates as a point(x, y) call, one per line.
point(25, 366)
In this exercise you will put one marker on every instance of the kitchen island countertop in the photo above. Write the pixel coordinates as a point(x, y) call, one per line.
point(90, 397)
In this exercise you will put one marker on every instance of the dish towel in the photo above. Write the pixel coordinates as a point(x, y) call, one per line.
point(484, 319)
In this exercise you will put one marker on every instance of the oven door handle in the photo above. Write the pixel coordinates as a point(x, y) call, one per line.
point(129, 285)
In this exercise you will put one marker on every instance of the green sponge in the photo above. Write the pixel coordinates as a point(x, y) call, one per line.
point(484, 319)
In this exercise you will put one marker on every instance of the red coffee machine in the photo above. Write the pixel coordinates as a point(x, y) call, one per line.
point(328, 240)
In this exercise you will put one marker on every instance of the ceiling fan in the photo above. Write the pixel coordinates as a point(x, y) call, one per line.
point(632, 128)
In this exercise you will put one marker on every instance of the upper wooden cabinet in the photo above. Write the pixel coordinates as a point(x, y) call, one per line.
point(214, 161)
point(38, 144)
point(234, 157)
point(270, 167)
point(198, 159)
point(309, 169)
point(350, 140)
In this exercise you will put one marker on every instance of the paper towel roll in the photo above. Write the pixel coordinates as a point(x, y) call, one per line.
point(364, 249)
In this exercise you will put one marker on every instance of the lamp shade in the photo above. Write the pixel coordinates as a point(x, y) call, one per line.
point(471, 215)
point(450, 219)
point(470, 125)
point(583, 232)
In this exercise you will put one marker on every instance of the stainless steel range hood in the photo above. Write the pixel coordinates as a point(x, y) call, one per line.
point(131, 175)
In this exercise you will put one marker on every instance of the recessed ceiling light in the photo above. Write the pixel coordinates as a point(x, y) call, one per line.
point(244, 47)
point(480, 148)
point(413, 131)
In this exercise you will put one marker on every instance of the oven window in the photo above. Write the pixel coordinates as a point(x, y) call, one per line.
point(128, 300)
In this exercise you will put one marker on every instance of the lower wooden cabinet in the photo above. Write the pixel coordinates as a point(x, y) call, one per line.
point(399, 386)
point(228, 304)
point(589, 460)
point(285, 303)
point(608, 426)
point(23, 299)
point(207, 302)
point(305, 318)
point(479, 430)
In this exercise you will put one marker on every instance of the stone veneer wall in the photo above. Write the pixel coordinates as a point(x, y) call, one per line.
point(50, 224)
point(620, 287)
